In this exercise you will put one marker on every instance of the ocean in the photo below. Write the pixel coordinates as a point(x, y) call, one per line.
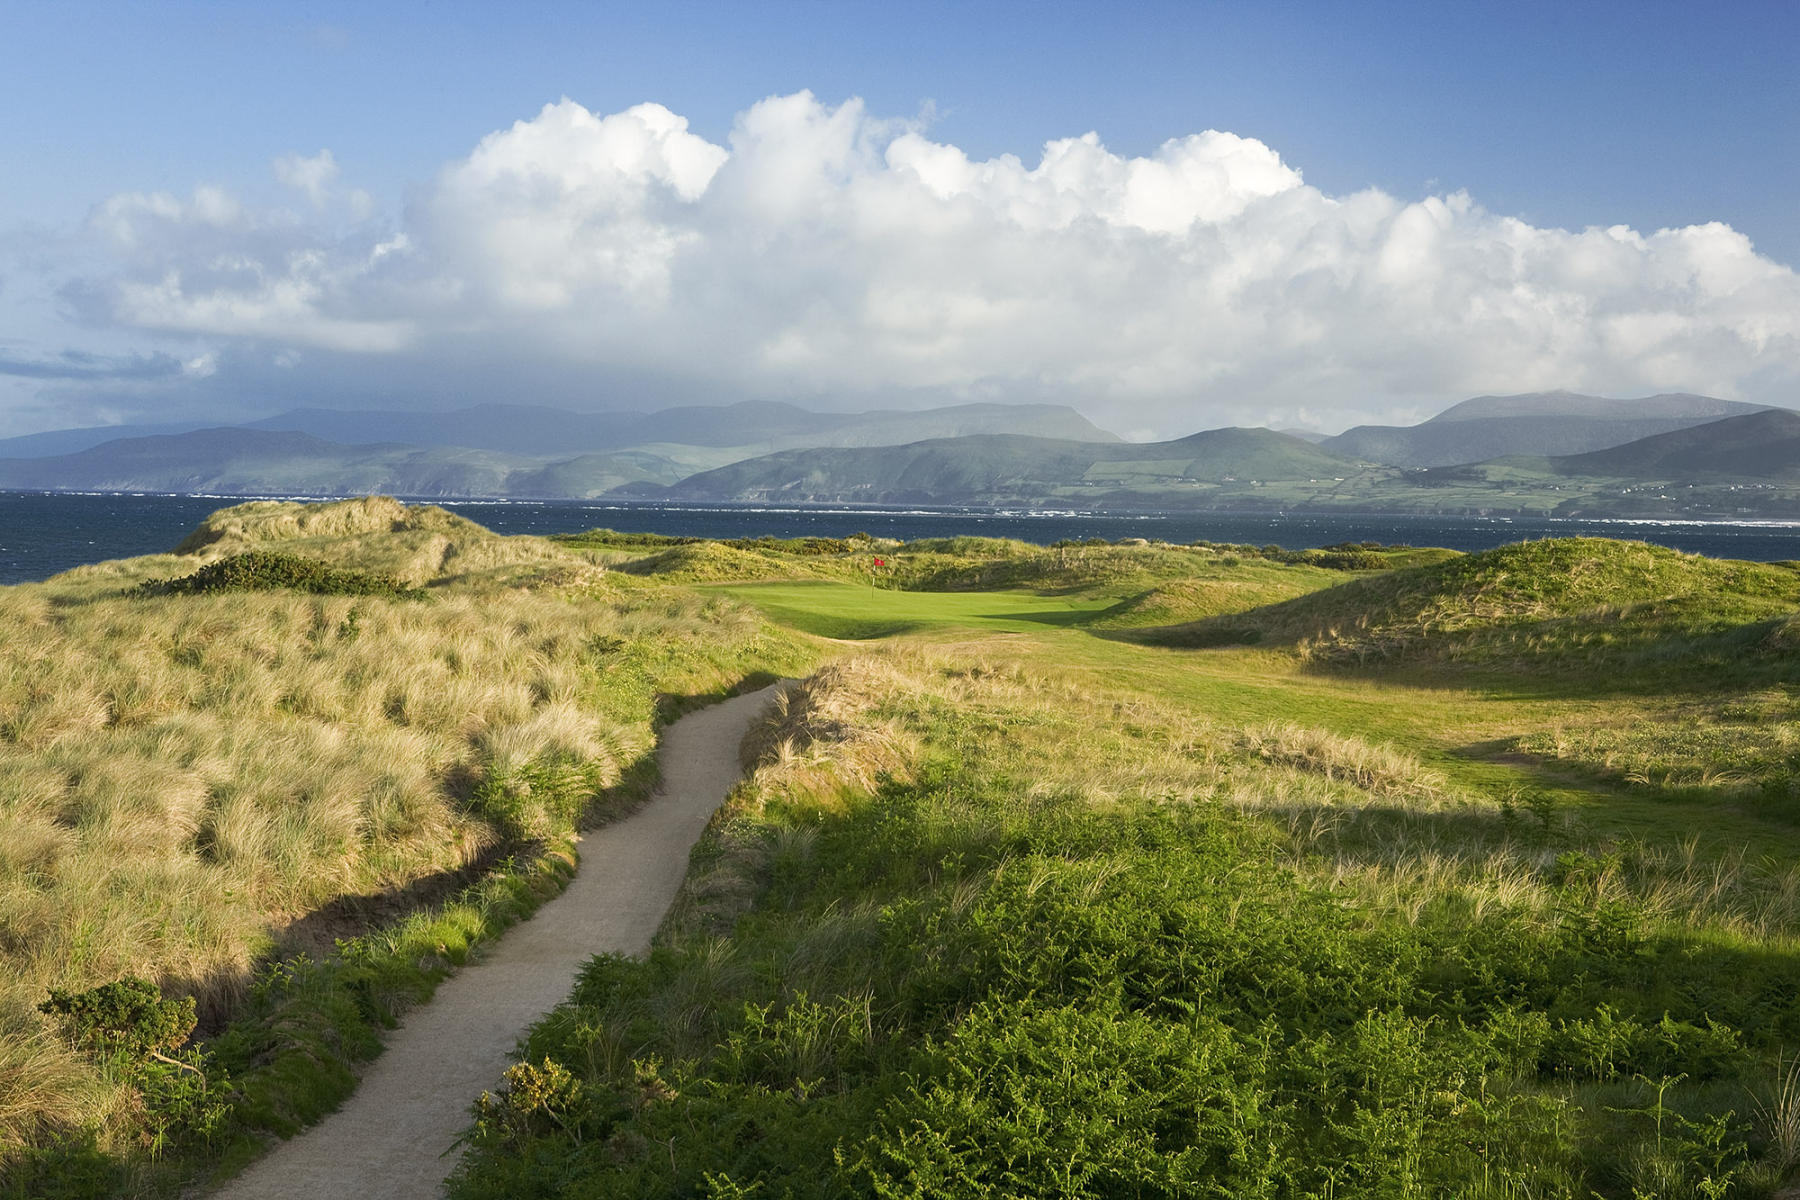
point(43, 533)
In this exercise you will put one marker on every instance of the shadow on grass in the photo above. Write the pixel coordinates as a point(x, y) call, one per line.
point(318, 933)
point(1771, 799)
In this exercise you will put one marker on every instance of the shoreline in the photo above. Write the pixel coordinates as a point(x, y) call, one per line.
point(976, 511)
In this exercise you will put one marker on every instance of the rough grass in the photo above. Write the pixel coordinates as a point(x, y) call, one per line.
point(709, 562)
point(185, 777)
point(1183, 600)
point(259, 522)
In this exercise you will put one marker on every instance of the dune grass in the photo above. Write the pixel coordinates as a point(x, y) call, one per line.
point(187, 780)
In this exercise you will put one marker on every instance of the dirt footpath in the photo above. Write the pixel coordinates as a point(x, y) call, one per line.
point(392, 1138)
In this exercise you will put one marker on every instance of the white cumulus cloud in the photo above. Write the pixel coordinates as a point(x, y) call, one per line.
point(833, 257)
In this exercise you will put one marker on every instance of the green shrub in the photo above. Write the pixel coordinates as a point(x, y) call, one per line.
point(129, 1016)
point(135, 1033)
point(264, 570)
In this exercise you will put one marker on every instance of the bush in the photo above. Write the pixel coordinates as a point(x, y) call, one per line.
point(131, 1029)
point(265, 570)
point(128, 1016)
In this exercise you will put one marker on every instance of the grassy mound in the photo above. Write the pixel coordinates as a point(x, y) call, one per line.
point(191, 783)
point(1184, 600)
point(612, 539)
point(259, 522)
point(969, 564)
point(418, 545)
point(1560, 604)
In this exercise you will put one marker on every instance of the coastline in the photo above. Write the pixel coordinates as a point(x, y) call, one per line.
point(44, 533)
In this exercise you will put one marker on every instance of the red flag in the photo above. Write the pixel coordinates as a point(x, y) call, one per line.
point(881, 562)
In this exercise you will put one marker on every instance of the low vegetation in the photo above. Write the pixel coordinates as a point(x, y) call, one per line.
point(926, 957)
point(265, 570)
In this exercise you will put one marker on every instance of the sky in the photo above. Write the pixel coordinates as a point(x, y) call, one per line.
point(1173, 216)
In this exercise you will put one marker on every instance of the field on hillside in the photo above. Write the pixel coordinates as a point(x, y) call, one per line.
point(1473, 878)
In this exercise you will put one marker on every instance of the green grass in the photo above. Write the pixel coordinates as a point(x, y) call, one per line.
point(1089, 939)
point(1479, 726)
point(860, 612)
point(1558, 607)
point(1028, 900)
point(1471, 877)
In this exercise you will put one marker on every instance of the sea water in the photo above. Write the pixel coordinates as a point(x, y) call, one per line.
point(43, 533)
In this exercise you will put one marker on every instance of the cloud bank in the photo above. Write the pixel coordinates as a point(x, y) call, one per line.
point(840, 259)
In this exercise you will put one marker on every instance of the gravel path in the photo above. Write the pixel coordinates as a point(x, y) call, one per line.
point(392, 1138)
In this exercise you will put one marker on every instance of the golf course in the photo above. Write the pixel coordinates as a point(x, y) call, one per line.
point(1094, 869)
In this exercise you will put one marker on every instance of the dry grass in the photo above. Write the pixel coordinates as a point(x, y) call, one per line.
point(1053, 733)
point(1379, 770)
point(182, 776)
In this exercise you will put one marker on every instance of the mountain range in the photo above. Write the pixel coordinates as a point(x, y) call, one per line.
point(535, 431)
point(1005, 469)
point(1555, 453)
point(1542, 423)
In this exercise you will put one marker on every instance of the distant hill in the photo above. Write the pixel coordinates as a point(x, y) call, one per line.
point(253, 461)
point(1743, 466)
point(1757, 445)
point(73, 441)
point(487, 450)
point(235, 461)
point(1538, 423)
point(999, 468)
point(760, 426)
point(1663, 406)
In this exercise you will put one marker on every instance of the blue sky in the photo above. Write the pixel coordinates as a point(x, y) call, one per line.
point(1558, 116)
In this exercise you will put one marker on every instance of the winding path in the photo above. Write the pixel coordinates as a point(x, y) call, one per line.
point(392, 1138)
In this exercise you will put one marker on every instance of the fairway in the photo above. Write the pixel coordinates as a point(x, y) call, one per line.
point(856, 612)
